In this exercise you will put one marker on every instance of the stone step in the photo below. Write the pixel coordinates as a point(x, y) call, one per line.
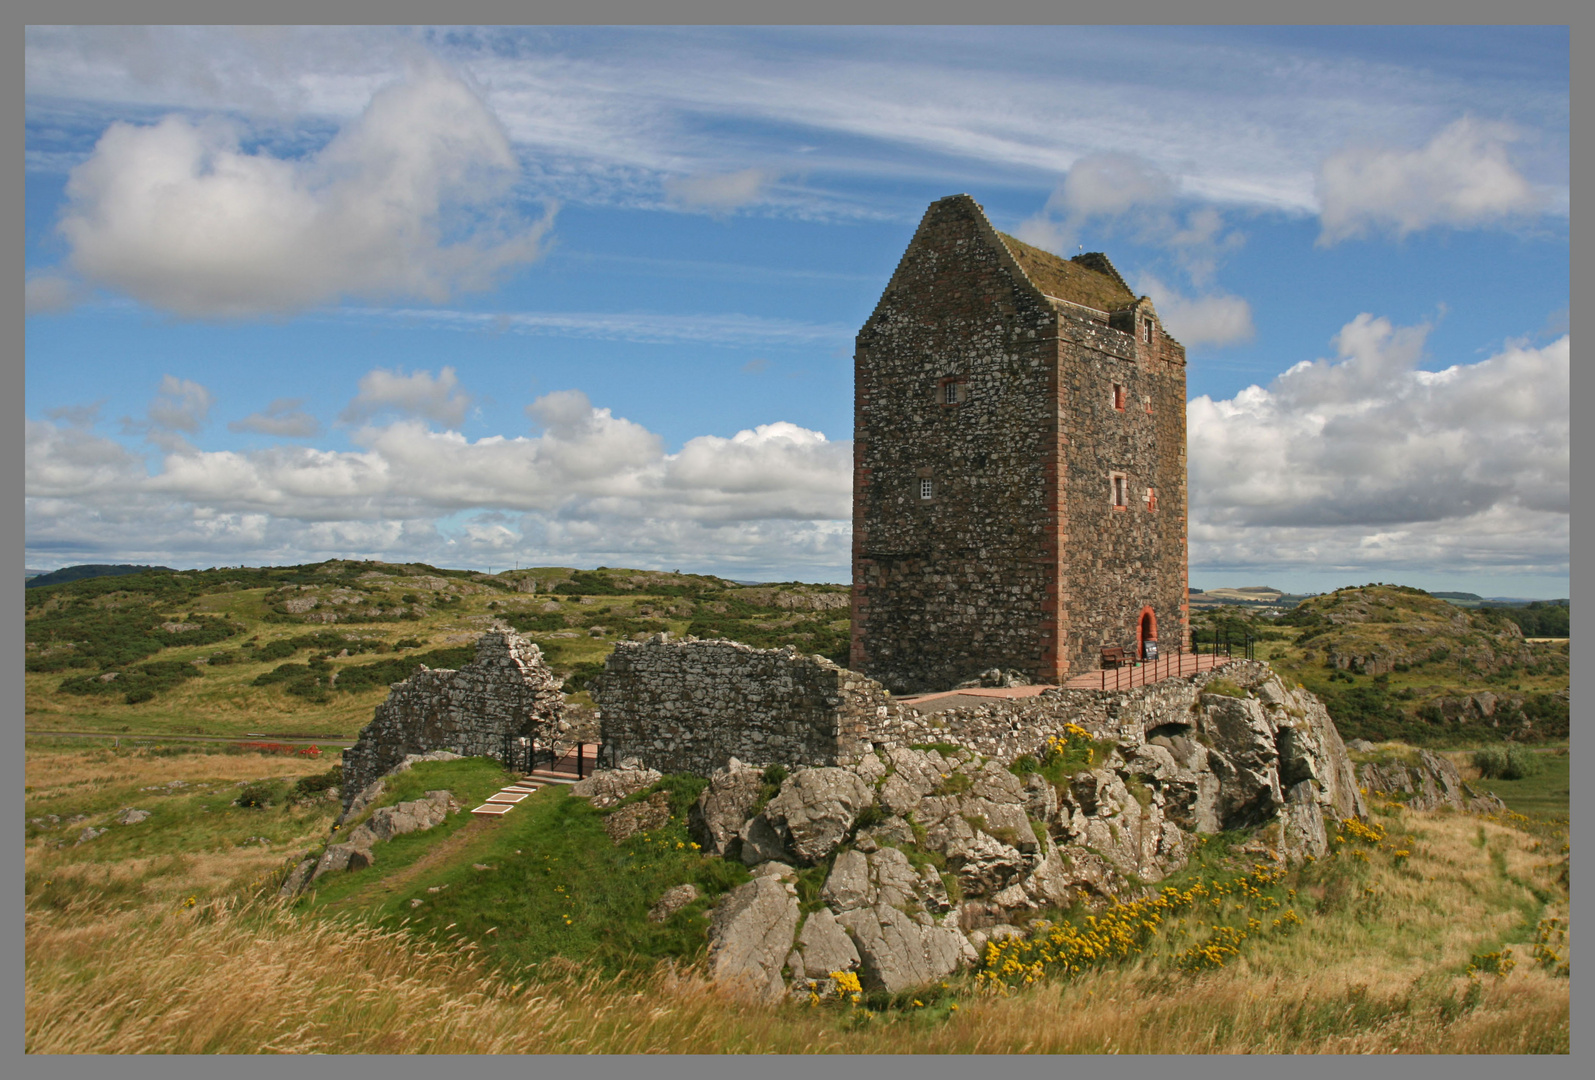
point(493, 809)
point(544, 776)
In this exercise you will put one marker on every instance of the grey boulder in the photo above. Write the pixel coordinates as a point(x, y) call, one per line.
point(606, 787)
point(724, 807)
point(815, 810)
point(750, 935)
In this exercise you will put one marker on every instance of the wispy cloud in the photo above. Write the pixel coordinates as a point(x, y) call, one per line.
point(610, 115)
point(284, 418)
point(643, 327)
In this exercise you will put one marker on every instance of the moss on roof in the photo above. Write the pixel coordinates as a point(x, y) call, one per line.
point(1068, 280)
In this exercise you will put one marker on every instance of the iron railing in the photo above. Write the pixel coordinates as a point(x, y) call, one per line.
point(1201, 657)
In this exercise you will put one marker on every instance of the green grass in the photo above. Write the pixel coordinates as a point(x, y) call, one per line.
point(1543, 795)
point(555, 884)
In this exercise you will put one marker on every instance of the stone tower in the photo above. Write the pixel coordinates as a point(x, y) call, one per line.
point(1019, 495)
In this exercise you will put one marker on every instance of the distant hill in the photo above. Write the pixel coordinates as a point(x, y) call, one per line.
point(88, 570)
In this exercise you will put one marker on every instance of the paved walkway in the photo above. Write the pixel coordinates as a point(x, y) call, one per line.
point(1169, 667)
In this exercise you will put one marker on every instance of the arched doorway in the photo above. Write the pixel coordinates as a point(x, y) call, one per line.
point(1146, 631)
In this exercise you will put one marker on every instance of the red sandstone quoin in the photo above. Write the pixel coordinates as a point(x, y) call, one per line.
point(1009, 510)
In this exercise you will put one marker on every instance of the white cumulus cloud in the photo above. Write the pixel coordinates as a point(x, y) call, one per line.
point(1367, 459)
point(416, 394)
point(414, 199)
point(1461, 177)
point(589, 487)
point(180, 405)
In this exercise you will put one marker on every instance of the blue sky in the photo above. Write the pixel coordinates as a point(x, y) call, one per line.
point(586, 297)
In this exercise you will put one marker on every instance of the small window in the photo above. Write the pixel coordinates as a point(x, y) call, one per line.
point(950, 393)
point(1118, 397)
point(1121, 489)
point(1146, 399)
point(926, 489)
point(1151, 498)
point(1149, 331)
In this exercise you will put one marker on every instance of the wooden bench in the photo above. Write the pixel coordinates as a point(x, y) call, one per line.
point(1113, 656)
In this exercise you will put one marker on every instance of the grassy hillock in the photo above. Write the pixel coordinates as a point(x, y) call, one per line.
point(1392, 662)
point(310, 650)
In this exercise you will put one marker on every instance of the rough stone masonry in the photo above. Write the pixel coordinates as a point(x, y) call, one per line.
point(691, 706)
point(1019, 491)
point(506, 693)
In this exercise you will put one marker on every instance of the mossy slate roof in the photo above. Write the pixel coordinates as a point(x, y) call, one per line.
point(1068, 280)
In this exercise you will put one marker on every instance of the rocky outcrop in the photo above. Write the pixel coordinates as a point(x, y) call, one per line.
point(1422, 780)
point(716, 819)
point(507, 693)
point(934, 851)
point(609, 786)
point(672, 901)
point(750, 935)
point(815, 810)
point(353, 851)
point(652, 813)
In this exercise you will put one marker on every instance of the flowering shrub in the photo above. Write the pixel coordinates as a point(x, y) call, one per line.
point(311, 751)
point(1492, 963)
point(1547, 936)
point(1072, 751)
point(1124, 931)
point(847, 984)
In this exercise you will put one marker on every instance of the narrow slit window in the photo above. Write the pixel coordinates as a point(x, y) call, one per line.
point(1121, 498)
point(1118, 397)
point(1151, 498)
point(926, 489)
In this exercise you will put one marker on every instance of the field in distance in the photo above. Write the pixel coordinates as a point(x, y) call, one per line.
point(309, 651)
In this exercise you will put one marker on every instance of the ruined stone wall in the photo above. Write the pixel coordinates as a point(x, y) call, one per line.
point(955, 584)
point(505, 693)
point(691, 706)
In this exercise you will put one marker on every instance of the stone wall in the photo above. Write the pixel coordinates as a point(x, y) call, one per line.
point(1018, 558)
point(691, 706)
point(506, 693)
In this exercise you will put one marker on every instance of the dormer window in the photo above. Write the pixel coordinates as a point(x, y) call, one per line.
point(1118, 397)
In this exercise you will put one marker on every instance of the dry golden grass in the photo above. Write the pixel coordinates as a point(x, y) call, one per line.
point(126, 966)
point(1379, 969)
point(52, 770)
point(220, 980)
